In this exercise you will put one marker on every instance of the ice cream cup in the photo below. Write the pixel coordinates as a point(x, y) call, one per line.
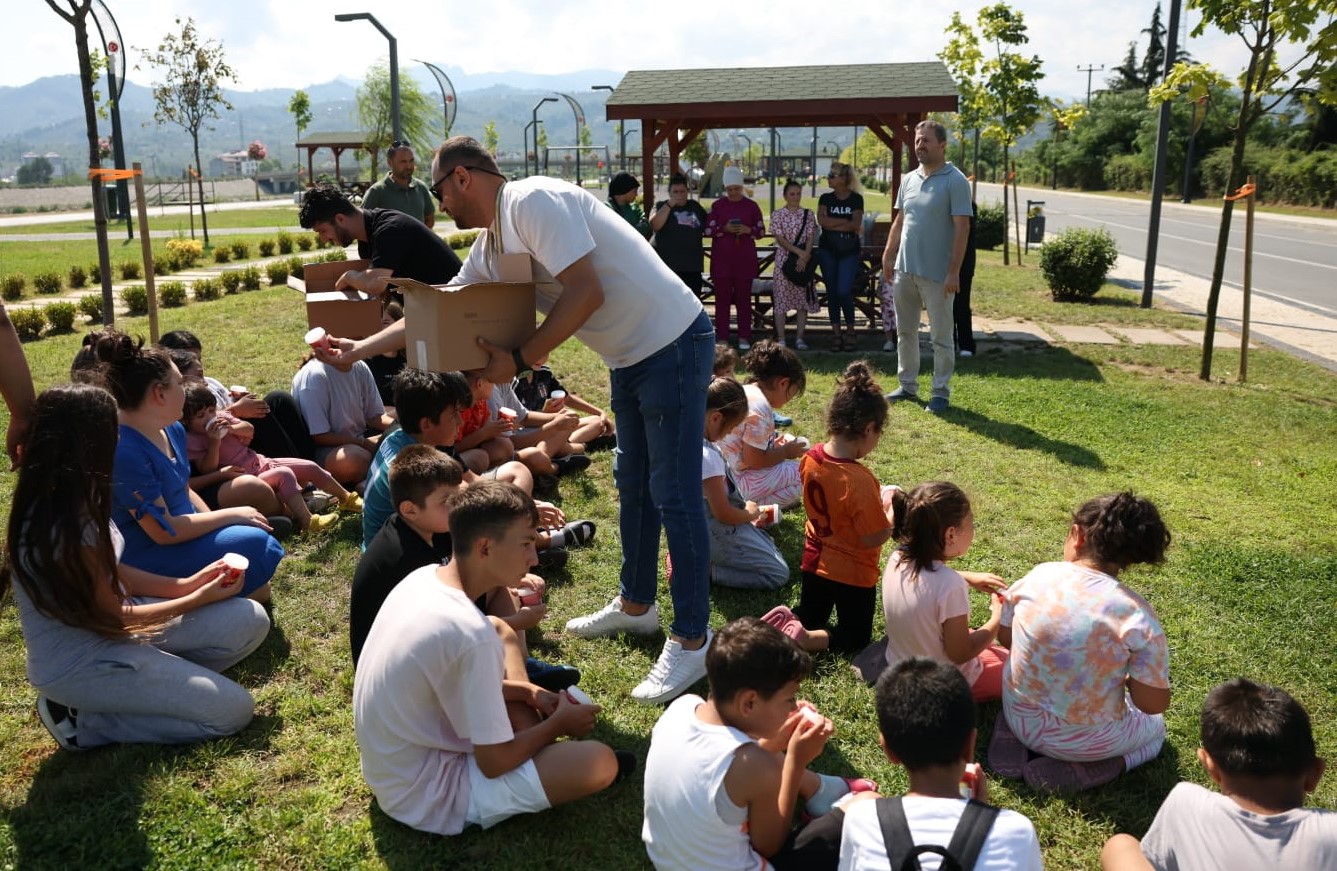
point(238, 390)
point(529, 596)
point(557, 394)
point(507, 414)
point(811, 715)
point(770, 515)
point(578, 696)
point(318, 339)
point(236, 565)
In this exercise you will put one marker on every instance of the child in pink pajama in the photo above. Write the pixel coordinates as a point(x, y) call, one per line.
point(735, 224)
point(215, 439)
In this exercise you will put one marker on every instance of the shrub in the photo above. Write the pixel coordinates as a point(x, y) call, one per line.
point(129, 270)
point(319, 242)
point(222, 254)
point(28, 322)
point(209, 289)
point(229, 280)
point(12, 286)
point(250, 278)
point(172, 294)
point(95, 272)
point(163, 264)
point(1076, 261)
point(990, 226)
point(77, 277)
point(47, 282)
point(461, 238)
point(332, 256)
point(266, 247)
point(186, 251)
point(136, 299)
point(60, 315)
point(240, 251)
point(295, 265)
point(285, 242)
point(91, 307)
point(277, 272)
point(305, 243)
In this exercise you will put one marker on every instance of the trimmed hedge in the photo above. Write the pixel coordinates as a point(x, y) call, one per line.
point(91, 307)
point(136, 299)
point(172, 294)
point(28, 322)
point(1076, 261)
point(60, 315)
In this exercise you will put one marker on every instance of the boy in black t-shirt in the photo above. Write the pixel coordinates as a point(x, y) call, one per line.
point(541, 391)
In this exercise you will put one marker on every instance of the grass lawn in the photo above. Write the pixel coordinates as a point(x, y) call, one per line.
point(274, 218)
point(1243, 473)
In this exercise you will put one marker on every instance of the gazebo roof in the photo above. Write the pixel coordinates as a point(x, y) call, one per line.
point(333, 139)
point(805, 96)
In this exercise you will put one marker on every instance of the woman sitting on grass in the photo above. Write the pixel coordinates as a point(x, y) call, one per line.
point(1088, 678)
point(167, 527)
point(117, 654)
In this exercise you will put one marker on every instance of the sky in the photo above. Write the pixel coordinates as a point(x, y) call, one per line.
point(294, 43)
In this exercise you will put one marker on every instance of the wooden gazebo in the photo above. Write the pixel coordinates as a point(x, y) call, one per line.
point(338, 142)
point(676, 106)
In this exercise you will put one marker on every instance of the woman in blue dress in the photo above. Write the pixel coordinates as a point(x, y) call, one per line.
point(167, 527)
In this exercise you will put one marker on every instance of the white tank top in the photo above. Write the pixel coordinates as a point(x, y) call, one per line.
point(685, 801)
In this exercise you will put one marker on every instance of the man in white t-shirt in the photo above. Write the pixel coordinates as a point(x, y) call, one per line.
point(601, 282)
point(927, 720)
point(449, 735)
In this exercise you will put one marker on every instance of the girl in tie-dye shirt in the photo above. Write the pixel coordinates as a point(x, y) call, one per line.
point(1088, 677)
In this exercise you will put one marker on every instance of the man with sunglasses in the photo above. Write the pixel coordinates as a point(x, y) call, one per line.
point(395, 243)
point(399, 190)
point(600, 281)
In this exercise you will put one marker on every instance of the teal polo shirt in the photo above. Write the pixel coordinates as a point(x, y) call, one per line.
point(413, 200)
point(929, 203)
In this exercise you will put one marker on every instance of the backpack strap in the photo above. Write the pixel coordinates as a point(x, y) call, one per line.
point(896, 835)
point(971, 832)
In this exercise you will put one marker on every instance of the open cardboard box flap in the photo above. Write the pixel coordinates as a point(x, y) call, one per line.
point(442, 324)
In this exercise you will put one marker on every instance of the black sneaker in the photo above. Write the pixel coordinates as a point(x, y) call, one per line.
point(60, 721)
point(554, 558)
point(550, 676)
point(280, 527)
point(626, 765)
point(571, 463)
point(578, 533)
point(601, 443)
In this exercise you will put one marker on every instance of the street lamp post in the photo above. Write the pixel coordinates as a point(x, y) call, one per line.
point(394, 66)
point(622, 160)
point(749, 144)
point(579, 113)
point(622, 143)
point(535, 124)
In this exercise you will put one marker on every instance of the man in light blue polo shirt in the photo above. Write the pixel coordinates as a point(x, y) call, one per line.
point(923, 256)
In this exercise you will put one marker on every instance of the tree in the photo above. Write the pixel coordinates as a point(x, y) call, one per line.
point(1307, 31)
point(1009, 102)
point(697, 152)
point(75, 14)
point(300, 109)
point(38, 171)
point(191, 91)
point(963, 58)
point(416, 113)
point(490, 138)
point(1153, 62)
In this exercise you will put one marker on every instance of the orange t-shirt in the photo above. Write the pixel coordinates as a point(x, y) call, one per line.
point(473, 418)
point(843, 504)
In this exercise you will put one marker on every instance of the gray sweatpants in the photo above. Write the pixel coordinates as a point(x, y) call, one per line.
point(910, 294)
point(744, 557)
point(170, 691)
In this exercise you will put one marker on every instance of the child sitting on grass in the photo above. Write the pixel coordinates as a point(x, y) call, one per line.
point(926, 718)
point(218, 442)
point(723, 775)
point(449, 735)
point(764, 465)
point(423, 484)
point(926, 603)
point(1258, 748)
point(541, 391)
point(1088, 677)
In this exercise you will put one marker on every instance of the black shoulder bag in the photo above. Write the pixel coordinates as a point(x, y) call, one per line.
point(960, 855)
point(800, 277)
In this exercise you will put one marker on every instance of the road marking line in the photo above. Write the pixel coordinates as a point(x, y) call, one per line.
point(1228, 248)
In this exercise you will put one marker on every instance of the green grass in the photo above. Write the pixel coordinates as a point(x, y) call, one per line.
point(1243, 473)
point(273, 219)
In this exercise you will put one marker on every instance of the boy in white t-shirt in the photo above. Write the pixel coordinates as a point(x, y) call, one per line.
point(723, 775)
point(927, 721)
point(1258, 747)
point(447, 737)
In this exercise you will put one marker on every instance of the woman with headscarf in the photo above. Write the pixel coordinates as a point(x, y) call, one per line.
point(735, 223)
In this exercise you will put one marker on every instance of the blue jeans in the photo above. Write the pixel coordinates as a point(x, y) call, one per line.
point(838, 274)
point(660, 405)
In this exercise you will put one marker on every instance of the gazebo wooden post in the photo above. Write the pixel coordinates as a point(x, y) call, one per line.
point(310, 166)
point(648, 163)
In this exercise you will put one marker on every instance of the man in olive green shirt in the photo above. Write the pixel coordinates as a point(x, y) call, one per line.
point(399, 190)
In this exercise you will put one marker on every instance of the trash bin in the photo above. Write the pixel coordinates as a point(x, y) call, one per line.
point(1035, 223)
point(113, 206)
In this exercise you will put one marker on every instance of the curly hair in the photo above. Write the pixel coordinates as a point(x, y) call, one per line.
point(923, 517)
point(321, 203)
point(858, 401)
point(768, 361)
point(1122, 529)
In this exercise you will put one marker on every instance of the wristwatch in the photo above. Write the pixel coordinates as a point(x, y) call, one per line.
point(522, 369)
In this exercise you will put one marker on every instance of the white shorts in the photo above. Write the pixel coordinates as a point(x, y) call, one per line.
point(493, 799)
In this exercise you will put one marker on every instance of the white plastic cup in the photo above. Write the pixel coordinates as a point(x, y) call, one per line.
point(236, 565)
point(578, 696)
point(529, 596)
point(770, 515)
point(238, 391)
point(970, 781)
point(318, 339)
point(557, 394)
point(811, 715)
point(803, 440)
point(507, 414)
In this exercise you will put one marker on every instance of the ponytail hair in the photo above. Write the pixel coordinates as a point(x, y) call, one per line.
point(922, 518)
point(726, 396)
point(858, 401)
point(129, 370)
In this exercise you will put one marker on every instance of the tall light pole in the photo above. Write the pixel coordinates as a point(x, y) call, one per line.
point(749, 143)
point(579, 114)
point(394, 66)
point(622, 142)
point(535, 124)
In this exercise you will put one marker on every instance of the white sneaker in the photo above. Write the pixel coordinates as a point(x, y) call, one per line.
point(676, 669)
point(965, 353)
point(888, 346)
point(744, 345)
point(801, 345)
point(611, 619)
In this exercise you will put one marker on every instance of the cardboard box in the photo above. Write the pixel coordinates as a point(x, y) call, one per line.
point(442, 324)
point(348, 314)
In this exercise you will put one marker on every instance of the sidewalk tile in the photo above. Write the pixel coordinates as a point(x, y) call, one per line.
point(1082, 334)
point(1149, 336)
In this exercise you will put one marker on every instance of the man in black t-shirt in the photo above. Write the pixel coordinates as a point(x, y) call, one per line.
point(391, 240)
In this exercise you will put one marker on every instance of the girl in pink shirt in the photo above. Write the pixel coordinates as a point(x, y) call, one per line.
point(217, 441)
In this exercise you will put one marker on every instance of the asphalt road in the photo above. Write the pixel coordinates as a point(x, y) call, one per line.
point(1295, 259)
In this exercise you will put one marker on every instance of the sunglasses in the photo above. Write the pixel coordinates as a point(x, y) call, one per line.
point(835, 175)
point(436, 186)
point(399, 143)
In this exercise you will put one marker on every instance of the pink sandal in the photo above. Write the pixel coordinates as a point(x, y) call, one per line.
point(783, 619)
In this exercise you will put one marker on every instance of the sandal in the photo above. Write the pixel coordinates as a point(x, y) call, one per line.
point(838, 342)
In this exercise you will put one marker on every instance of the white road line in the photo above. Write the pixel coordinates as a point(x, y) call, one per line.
point(1229, 248)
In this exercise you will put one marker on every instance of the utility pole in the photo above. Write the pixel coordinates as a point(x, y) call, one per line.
point(1158, 168)
point(1089, 70)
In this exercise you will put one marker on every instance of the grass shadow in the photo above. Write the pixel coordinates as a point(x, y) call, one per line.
point(1023, 438)
point(1035, 361)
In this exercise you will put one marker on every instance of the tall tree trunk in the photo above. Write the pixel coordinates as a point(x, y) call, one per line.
point(199, 183)
point(1006, 244)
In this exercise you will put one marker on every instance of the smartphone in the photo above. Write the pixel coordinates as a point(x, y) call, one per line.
point(735, 220)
